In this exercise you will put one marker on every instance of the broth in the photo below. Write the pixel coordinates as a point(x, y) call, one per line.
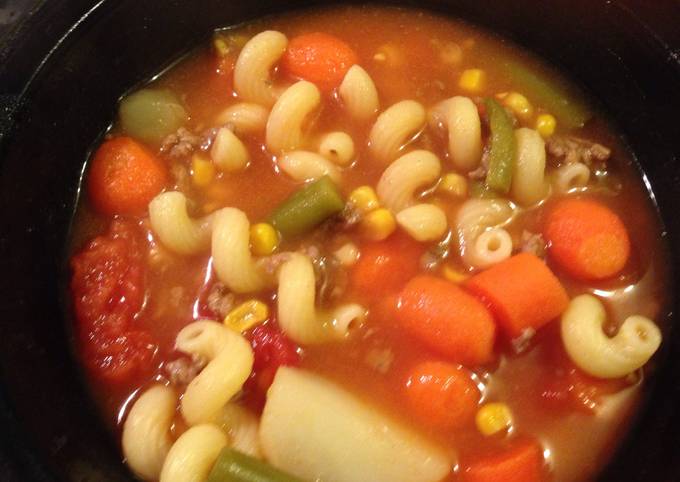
point(402, 52)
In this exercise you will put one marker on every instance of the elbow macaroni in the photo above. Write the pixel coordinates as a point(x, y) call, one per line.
point(146, 432)
point(396, 127)
point(337, 147)
point(232, 259)
point(424, 222)
point(399, 181)
point(460, 117)
point(228, 152)
point(287, 117)
point(193, 455)
point(571, 176)
point(244, 117)
point(597, 354)
point(482, 241)
point(252, 73)
point(297, 314)
point(528, 176)
point(230, 361)
point(173, 226)
point(359, 94)
point(308, 166)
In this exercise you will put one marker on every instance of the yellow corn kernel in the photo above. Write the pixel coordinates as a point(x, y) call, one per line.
point(378, 224)
point(453, 184)
point(453, 274)
point(364, 199)
point(263, 239)
point(246, 315)
point(519, 105)
point(545, 125)
point(472, 80)
point(202, 171)
point(491, 418)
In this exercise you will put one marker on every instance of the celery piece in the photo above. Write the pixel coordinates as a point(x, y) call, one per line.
point(307, 208)
point(151, 114)
point(501, 147)
point(233, 466)
point(569, 111)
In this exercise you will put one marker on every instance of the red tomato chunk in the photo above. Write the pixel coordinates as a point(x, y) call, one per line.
point(272, 349)
point(108, 291)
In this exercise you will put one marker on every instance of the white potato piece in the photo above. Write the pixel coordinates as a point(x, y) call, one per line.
point(315, 430)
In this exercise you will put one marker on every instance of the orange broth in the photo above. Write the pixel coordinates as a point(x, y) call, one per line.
point(577, 436)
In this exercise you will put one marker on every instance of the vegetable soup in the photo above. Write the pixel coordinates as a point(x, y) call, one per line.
point(365, 243)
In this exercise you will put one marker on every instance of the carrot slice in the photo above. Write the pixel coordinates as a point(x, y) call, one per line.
point(586, 239)
point(124, 177)
point(522, 293)
point(522, 463)
point(319, 58)
point(447, 319)
point(441, 394)
point(384, 267)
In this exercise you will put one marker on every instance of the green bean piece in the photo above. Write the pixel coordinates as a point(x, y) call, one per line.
point(501, 147)
point(233, 466)
point(569, 111)
point(307, 208)
point(151, 114)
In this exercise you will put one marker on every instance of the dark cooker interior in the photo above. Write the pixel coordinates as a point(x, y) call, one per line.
point(626, 53)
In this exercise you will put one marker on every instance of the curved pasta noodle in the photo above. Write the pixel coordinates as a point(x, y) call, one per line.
point(252, 73)
point(308, 166)
point(173, 226)
point(424, 222)
point(228, 152)
point(571, 176)
point(528, 176)
point(244, 117)
point(287, 117)
point(232, 259)
point(230, 361)
point(242, 426)
point(337, 147)
point(597, 354)
point(193, 455)
point(297, 315)
point(146, 432)
point(395, 127)
point(400, 180)
point(482, 241)
point(460, 117)
point(358, 94)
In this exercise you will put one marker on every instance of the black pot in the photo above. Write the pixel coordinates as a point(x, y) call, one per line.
point(61, 74)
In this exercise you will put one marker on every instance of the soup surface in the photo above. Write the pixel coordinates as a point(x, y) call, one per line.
point(444, 246)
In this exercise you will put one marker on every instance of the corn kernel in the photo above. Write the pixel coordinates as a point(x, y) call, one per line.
point(364, 199)
point(519, 105)
point(545, 125)
point(472, 80)
point(263, 239)
point(453, 274)
point(491, 418)
point(247, 315)
point(378, 224)
point(202, 171)
point(221, 46)
point(453, 184)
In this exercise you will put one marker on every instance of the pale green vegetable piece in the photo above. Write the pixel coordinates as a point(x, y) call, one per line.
point(151, 114)
point(316, 430)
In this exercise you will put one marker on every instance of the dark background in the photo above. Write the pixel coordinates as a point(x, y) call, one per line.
point(11, 14)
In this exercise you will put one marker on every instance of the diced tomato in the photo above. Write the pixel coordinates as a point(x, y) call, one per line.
point(272, 349)
point(108, 291)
